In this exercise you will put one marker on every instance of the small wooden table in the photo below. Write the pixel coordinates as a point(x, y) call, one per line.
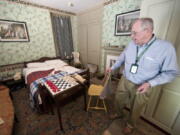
point(13, 84)
point(65, 95)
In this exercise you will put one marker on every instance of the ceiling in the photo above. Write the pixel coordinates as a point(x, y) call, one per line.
point(74, 6)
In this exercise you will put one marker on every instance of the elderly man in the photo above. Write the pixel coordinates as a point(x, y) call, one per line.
point(148, 62)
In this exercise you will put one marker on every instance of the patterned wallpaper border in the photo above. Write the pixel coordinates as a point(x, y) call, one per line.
point(41, 6)
point(107, 2)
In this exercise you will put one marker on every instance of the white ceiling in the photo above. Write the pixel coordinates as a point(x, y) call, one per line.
point(79, 5)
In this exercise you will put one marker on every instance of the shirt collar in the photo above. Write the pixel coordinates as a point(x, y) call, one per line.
point(149, 42)
point(152, 39)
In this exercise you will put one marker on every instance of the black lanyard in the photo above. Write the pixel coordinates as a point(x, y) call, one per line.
point(140, 55)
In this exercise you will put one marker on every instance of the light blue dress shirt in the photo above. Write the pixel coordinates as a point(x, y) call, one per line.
point(158, 65)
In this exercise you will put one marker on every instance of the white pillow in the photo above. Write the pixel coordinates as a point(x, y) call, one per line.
point(55, 62)
point(68, 69)
point(36, 64)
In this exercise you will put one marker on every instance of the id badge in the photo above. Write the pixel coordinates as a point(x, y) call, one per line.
point(134, 68)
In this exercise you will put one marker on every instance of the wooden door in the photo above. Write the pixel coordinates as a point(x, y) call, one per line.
point(164, 106)
point(90, 24)
point(82, 45)
point(94, 43)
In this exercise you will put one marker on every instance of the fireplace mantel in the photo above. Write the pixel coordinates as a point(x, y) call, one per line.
point(111, 48)
point(109, 51)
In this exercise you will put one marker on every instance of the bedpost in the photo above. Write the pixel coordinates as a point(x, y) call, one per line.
point(88, 77)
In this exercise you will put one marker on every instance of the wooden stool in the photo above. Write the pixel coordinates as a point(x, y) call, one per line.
point(95, 90)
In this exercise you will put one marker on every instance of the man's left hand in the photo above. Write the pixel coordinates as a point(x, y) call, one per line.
point(144, 87)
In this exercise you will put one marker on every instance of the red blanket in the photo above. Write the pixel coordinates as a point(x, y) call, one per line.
point(36, 75)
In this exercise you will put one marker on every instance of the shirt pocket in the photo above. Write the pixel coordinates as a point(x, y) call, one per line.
point(129, 59)
point(128, 62)
point(150, 64)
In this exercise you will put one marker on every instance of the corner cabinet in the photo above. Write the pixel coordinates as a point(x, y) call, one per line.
point(163, 108)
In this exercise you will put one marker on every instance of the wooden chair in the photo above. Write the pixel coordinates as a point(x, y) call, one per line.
point(98, 91)
point(95, 90)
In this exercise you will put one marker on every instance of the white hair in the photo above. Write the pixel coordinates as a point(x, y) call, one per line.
point(146, 23)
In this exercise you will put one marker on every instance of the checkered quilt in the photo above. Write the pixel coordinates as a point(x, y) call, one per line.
point(34, 85)
point(57, 86)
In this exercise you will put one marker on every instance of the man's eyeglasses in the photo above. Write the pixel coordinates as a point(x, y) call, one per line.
point(134, 33)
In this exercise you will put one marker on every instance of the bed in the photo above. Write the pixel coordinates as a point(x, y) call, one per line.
point(38, 73)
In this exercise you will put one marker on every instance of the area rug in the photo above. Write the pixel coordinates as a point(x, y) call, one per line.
point(75, 120)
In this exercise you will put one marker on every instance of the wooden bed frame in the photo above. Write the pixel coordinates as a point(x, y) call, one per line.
point(62, 98)
point(43, 59)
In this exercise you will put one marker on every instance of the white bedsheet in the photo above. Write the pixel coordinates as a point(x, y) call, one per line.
point(69, 69)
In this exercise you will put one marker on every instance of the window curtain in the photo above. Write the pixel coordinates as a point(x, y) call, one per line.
point(62, 32)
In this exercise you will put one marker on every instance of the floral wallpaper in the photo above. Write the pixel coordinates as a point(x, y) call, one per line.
point(40, 33)
point(108, 25)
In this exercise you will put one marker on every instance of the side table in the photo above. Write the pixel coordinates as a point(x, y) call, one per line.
point(68, 60)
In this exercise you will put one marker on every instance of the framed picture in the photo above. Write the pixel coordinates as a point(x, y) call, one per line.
point(110, 60)
point(124, 21)
point(13, 31)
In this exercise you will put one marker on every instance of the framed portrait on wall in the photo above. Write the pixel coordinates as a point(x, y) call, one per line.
point(124, 21)
point(13, 31)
